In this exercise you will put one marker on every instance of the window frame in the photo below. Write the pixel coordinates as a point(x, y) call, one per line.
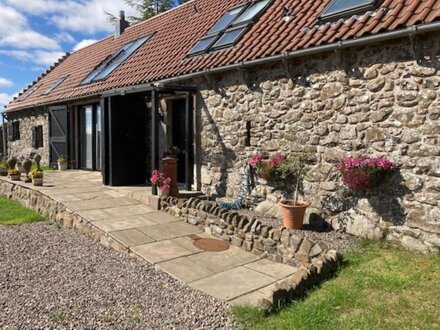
point(37, 137)
point(232, 26)
point(107, 62)
point(346, 12)
point(55, 85)
point(31, 90)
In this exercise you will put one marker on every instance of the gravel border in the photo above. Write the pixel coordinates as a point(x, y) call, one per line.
point(56, 278)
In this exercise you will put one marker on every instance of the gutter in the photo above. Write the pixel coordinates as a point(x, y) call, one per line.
point(407, 32)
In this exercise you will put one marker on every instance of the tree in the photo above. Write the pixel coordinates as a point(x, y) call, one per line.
point(148, 8)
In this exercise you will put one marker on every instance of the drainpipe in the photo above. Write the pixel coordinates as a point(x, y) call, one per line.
point(5, 142)
point(408, 32)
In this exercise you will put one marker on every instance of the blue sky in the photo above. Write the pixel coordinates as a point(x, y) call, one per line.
point(35, 33)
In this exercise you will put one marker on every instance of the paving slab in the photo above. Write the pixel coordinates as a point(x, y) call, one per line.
point(232, 283)
point(160, 251)
point(271, 268)
point(221, 261)
point(161, 217)
point(251, 299)
point(128, 210)
point(120, 223)
point(94, 215)
point(185, 269)
point(131, 237)
point(170, 230)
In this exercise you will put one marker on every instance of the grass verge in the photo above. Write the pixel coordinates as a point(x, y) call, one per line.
point(381, 287)
point(12, 213)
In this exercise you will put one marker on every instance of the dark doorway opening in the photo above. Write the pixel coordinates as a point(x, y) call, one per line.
point(178, 134)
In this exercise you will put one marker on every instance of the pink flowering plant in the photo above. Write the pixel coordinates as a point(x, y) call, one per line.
point(290, 169)
point(363, 173)
point(162, 181)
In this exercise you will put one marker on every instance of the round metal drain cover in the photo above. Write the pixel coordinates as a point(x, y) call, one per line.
point(211, 245)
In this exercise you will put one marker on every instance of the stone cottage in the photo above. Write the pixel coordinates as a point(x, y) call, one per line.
point(222, 80)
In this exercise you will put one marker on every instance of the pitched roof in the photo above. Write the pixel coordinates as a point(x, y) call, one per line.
point(176, 32)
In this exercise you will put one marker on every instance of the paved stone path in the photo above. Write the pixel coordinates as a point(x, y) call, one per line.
point(233, 275)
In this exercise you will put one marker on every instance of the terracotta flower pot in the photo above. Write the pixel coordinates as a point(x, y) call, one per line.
point(293, 215)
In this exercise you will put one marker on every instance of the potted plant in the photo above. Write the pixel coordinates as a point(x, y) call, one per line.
point(62, 163)
point(290, 169)
point(37, 177)
point(162, 182)
point(14, 174)
point(365, 173)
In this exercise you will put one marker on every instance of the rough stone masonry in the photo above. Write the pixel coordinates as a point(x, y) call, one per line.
point(377, 100)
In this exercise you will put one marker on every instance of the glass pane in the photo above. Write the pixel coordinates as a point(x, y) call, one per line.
point(87, 138)
point(343, 5)
point(229, 37)
point(225, 20)
point(59, 82)
point(114, 60)
point(98, 138)
point(251, 12)
point(202, 45)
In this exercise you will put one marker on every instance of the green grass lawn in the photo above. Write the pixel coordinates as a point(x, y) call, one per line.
point(12, 213)
point(381, 287)
point(43, 167)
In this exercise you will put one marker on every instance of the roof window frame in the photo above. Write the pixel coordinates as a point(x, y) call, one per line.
point(354, 10)
point(31, 90)
point(107, 62)
point(55, 85)
point(232, 26)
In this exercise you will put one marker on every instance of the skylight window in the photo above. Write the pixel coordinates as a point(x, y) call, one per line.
point(28, 93)
point(343, 8)
point(230, 27)
point(103, 70)
point(57, 83)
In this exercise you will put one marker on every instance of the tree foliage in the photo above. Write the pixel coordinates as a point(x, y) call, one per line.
point(148, 8)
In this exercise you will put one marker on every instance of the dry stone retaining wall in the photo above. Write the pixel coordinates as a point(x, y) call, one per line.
point(279, 245)
point(378, 100)
point(23, 146)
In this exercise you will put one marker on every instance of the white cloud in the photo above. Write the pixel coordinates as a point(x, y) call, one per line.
point(47, 58)
point(40, 57)
point(5, 82)
point(5, 99)
point(15, 31)
point(84, 43)
point(87, 16)
point(29, 39)
point(65, 37)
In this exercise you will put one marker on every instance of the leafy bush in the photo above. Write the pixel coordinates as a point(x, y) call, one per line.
point(37, 174)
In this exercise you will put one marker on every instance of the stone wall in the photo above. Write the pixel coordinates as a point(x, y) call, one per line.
point(23, 146)
point(280, 245)
point(373, 101)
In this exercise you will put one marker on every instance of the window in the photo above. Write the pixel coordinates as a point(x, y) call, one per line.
point(57, 83)
point(37, 137)
point(13, 130)
point(27, 93)
point(107, 66)
point(230, 27)
point(342, 8)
